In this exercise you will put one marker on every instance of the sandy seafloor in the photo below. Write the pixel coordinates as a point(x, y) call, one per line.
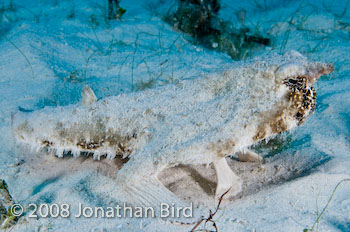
point(50, 49)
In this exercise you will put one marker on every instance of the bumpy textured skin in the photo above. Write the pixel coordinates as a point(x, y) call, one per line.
point(197, 121)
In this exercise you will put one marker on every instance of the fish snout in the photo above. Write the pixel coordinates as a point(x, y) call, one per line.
point(316, 70)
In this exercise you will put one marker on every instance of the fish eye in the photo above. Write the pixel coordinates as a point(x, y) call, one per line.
point(292, 81)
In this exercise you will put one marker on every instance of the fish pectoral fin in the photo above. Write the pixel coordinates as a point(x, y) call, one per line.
point(88, 96)
point(226, 180)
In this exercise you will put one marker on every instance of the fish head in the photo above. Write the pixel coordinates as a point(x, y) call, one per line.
point(298, 77)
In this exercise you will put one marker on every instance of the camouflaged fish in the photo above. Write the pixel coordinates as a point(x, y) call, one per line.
point(196, 121)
